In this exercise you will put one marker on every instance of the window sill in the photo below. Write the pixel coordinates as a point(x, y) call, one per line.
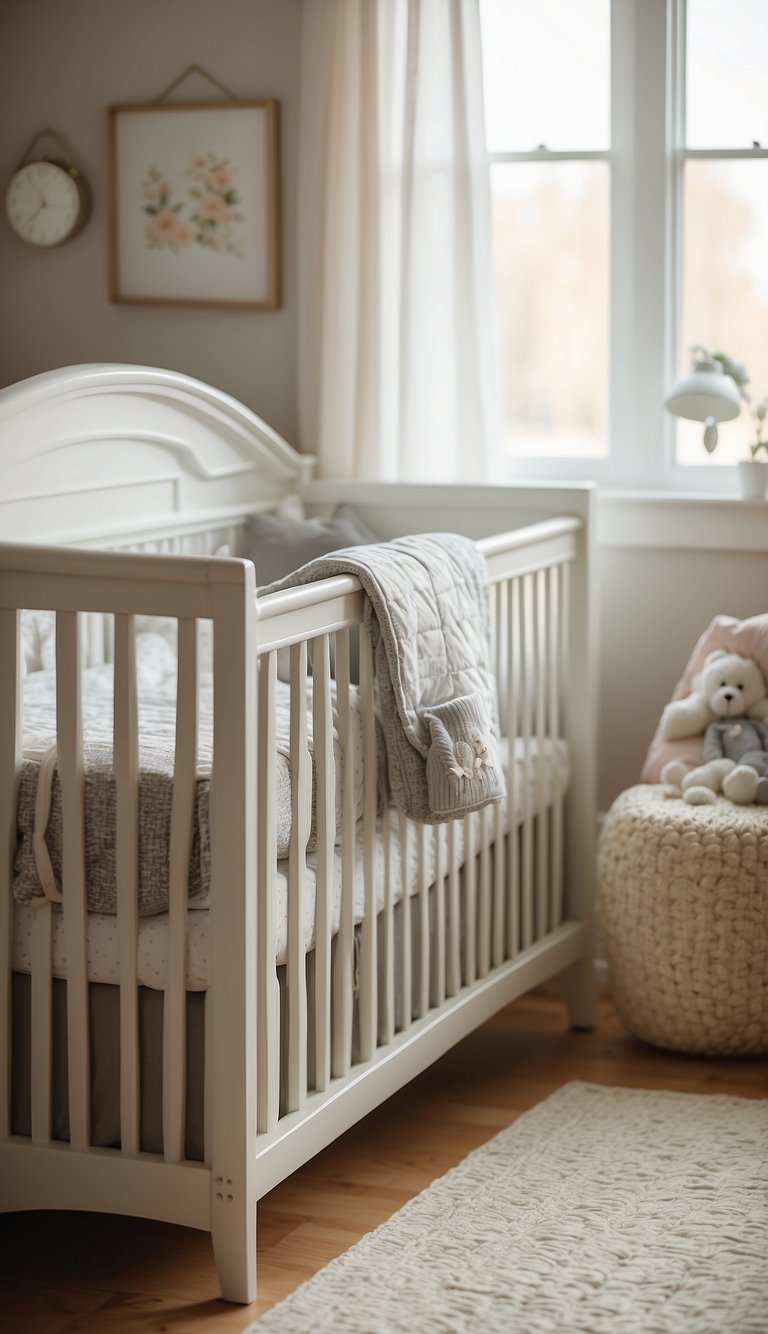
point(694, 522)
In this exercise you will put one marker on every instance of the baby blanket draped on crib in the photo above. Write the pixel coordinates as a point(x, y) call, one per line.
point(428, 620)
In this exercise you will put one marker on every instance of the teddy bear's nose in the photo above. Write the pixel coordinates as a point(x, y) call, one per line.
point(728, 694)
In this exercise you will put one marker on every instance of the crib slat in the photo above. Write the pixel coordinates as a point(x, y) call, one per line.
point(497, 817)
point(182, 825)
point(95, 626)
point(484, 914)
point(404, 832)
point(325, 768)
point(470, 901)
point(368, 934)
point(70, 747)
point(41, 1021)
point(423, 891)
point(268, 989)
point(499, 884)
point(437, 994)
point(526, 670)
point(10, 761)
point(542, 818)
point(343, 965)
point(453, 962)
point(109, 638)
point(296, 972)
point(387, 1016)
point(513, 797)
point(554, 705)
point(497, 604)
point(126, 759)
point(559, 721)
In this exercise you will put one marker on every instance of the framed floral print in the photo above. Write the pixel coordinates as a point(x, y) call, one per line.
point(195, 204)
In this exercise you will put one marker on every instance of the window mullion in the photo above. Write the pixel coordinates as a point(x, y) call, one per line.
point(639, 239)
point(676, 70)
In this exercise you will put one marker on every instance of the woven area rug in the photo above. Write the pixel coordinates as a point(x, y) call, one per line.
point(601, 1209)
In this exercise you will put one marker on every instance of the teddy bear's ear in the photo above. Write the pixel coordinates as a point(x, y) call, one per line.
point(714, 655)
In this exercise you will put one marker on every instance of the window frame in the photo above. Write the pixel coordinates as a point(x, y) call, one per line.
point(646, 160)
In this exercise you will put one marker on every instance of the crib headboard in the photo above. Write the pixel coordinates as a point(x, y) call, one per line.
point(114, 455)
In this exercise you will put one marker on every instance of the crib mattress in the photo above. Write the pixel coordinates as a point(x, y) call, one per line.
point(157, 726)
point(546, 767)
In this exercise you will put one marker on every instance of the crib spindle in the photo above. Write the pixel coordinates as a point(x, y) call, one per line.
point(322, 729)
point(41, 1022)
point(10, 752)
point(182, 825)
point(126, 760)
point(497, 818)
point(343, 965)
point(526, 672)
point(513, 786)
point(542, 817)
point(559, 727)
point(553, 701)
point(470, 901)
point(484, 899)
point(437, 994)
point(404, 835)
point(422, 835)
point(453, 961)
point(387, 1014)
point(368, 937)
point(69, 732)
point(296, 973)
point(268, 989)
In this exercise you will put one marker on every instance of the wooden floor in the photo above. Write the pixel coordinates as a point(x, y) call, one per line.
point(94, 1273)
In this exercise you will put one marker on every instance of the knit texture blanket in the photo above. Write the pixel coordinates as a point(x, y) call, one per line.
point(427, 617)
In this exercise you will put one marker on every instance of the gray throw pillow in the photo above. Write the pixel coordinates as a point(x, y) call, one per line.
point(278, 546)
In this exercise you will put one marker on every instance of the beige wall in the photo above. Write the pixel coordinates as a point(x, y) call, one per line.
point(63, 63)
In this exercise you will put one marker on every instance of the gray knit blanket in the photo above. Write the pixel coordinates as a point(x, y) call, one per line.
point(427, 617)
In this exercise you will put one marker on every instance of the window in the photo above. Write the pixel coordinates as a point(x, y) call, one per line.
point(724, 200)
point(547, 91)
point(630, 222)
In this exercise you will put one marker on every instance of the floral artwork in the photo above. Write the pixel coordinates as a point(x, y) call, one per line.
point(195, 204)
point(203, 212)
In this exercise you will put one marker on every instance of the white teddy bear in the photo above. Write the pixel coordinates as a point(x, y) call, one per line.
point(729, 703)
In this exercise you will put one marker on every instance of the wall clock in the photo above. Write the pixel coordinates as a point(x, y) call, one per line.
point(48, 199)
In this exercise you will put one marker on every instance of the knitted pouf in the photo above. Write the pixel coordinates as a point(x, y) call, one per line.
point(684, 894)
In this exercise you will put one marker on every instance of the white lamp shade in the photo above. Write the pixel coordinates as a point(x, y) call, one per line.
point(705, 392)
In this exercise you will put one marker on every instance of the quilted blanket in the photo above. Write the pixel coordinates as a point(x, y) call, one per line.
point(427, 617)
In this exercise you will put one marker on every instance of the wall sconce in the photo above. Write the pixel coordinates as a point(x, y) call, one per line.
point(705, 395)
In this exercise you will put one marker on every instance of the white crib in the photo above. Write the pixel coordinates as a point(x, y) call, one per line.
point(133, 477)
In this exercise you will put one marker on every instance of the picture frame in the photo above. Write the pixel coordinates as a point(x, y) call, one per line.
point(194, 204)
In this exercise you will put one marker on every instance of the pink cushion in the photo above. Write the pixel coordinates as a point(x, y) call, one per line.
point(750, 639)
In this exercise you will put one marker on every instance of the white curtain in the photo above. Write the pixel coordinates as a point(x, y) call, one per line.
point(397, 360)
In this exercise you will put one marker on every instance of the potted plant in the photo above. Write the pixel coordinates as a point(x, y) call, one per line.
point(753, 472)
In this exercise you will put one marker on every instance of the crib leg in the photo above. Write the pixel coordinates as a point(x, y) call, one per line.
point(233, 1233)
point(578, 987)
